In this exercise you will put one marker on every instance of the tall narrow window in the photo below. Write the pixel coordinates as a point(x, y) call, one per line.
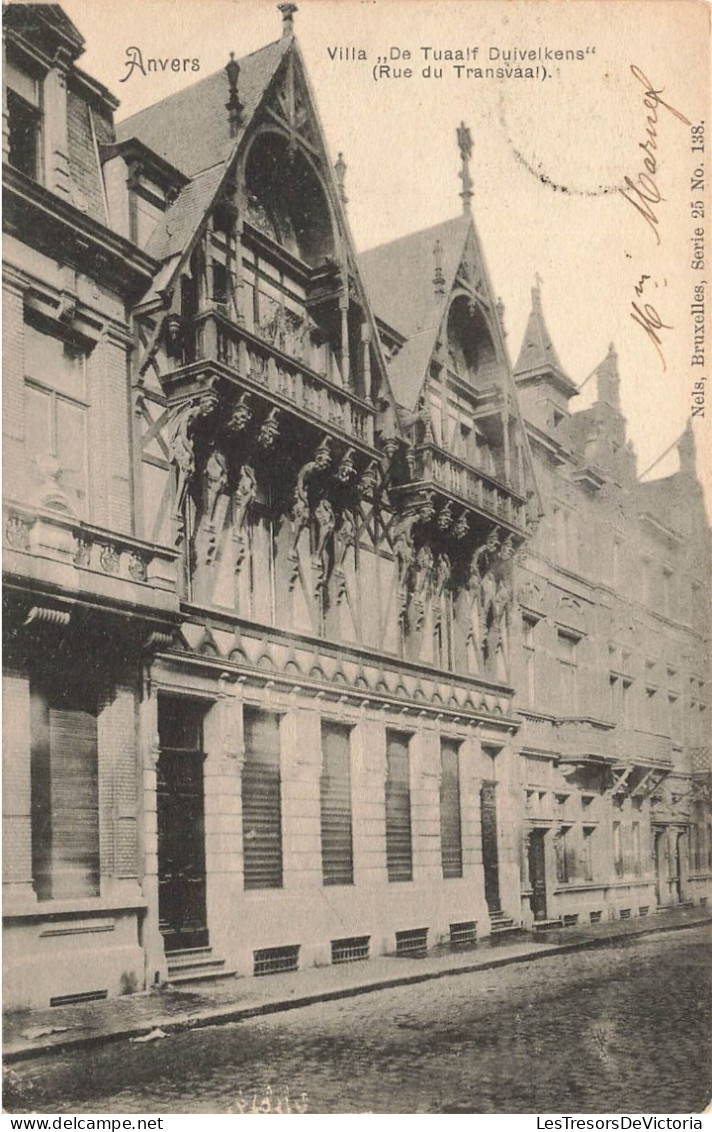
point(336, 825)
point(65, 791)
point(636, 853)
point(399, 845)
point(528, 627)
point(261, 801)
point(450, 823)
point(587, 853)
point(568, 672)
point(56, 408)
point(25, 119)
point(617, 849)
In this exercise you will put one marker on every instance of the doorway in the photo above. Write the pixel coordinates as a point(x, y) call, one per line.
point(537, 873)
point(490, 854)
point(182, 911)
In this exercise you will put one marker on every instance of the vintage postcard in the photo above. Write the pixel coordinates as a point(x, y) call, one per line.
point(357, 558)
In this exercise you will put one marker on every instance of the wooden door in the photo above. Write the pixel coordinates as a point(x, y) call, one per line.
point(181, 850)
point(537, 873)
point(490, 853)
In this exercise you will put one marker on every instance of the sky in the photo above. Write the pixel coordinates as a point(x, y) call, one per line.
point(559, 160)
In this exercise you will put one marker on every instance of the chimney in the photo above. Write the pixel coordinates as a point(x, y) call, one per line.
point(287, 11)
point(233, 105)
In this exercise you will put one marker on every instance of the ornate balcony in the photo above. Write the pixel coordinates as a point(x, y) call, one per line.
point(235, 355)
point(584, 740)
point(469, 486)
point(55, 550)
point(643, 748)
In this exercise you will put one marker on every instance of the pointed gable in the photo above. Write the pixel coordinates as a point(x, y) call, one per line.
point(537, 356)
point(400, 281)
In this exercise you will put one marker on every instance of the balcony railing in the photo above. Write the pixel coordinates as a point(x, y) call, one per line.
point(470, 485)
point(584, 738)
point(58, 550)
point(644, 748)
point(265, 368)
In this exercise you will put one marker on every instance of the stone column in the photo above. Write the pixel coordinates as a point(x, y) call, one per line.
point(425, 807)
point(301, 803)
point(368, 761)
point(222, 783)
point(56, 145)
point(118, 785)
point(149, 750)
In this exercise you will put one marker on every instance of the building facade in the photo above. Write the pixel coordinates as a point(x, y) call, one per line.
point(327, 633)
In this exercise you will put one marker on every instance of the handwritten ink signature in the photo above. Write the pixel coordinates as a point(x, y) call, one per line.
point(644, 195)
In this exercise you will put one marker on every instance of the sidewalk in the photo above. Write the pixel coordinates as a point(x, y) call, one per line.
point(31, 1033)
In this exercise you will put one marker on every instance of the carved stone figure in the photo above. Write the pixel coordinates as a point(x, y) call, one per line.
point(325, 524)
point(269, 430)
point(344, 538)
point(181, 450)
point(301, 508)
point(245, 493)
point(241, 415)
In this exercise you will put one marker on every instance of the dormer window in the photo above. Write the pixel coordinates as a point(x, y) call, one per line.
point(24, 93)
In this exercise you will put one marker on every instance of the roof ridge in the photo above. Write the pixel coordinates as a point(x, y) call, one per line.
point(193, 86)
point(420, 232)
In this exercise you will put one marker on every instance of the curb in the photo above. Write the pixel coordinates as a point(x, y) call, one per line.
point(218, 1016)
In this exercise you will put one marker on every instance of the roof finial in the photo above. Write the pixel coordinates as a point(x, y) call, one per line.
point(438, 276)
point(233, 105)
point(287, 11)
point(464, 140)
point(340, 168)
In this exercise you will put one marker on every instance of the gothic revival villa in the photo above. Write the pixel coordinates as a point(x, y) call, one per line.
point(327, 633)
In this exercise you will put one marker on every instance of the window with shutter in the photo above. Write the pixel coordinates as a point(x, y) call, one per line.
point(336, 826)
point(450, 826)
point(65, 794)
point(261, 801)
point(399, 846)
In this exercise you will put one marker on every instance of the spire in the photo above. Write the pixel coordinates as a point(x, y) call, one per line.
point(438, 276)
point(233, 105)
point(608, 381)
point(464, 140)
point(340, 168)
point(287, 11)
point(537, 355)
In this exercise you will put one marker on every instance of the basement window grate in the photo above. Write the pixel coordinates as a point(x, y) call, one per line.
point(571, 920)
point(412, 943)
point(624, 914)
point(464, 934)
point(595, 917)
point(350, 950)
point(644, 910)
point(76, 999)
point(276, 960)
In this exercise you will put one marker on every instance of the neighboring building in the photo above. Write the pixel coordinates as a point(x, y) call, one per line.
point(301, 664)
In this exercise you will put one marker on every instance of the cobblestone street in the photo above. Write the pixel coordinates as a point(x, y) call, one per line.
point(618, 1029)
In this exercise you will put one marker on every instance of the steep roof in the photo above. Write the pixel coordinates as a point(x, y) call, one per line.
point(537, 356)
point(398, 277)
point(191, 128)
